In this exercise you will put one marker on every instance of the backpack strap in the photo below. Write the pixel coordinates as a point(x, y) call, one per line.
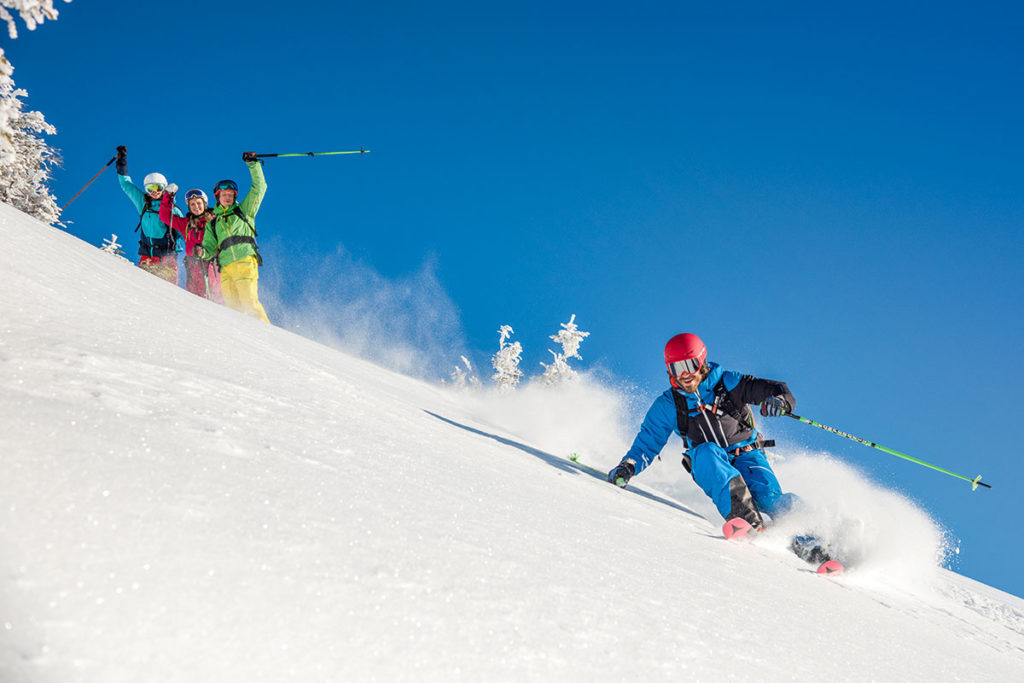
point(728, 406)
point(234, 240)
point(682, 413)
point(683, 423)
point(148, 208)
point(235, 211)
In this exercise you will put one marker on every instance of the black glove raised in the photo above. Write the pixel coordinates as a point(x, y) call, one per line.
point(122, 160)
point(776, 406)
point(249, 157)
point(622, 473)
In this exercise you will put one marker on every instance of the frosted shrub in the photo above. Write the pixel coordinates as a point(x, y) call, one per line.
point(110, 246)
point(32, 12)
point(25, 159)
point(464, 379)
point(569, 337)
point(506, 361)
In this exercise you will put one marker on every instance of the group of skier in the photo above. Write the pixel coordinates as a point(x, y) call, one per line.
point(221, 257)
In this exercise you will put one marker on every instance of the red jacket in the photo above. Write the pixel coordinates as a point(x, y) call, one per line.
point(191, 227)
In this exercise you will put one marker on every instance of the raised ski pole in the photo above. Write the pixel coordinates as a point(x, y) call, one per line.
point(112, 159)
point(975, 483)
point(359, 151)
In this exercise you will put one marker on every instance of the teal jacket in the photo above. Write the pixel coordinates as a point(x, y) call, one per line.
point(155, 238)
point(231, 233)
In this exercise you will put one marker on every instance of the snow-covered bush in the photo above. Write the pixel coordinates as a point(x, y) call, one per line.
point(25, 159)
point(463, 379)
point(32, 12)
point(569, 337)
point(110, 246)
point(506, 361)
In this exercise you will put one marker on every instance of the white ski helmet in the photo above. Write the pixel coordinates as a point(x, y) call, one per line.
point(155, 179)
point(192, 194)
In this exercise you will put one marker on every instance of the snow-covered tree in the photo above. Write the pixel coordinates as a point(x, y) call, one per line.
point(111, 246)
point(569, 337)
point(25, 159)
point(506, 361)
point(464, 379)
point(32, 12)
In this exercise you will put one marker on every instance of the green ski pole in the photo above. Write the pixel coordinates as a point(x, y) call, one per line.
point(359, 151)
point(975, 483)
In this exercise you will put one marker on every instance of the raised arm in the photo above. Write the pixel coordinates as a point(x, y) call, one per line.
point(167, 216)
point(251, 204)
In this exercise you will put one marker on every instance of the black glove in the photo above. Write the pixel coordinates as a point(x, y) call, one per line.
point(622, 473)
point(122, 160)
point(776, 406)
point(249, 157)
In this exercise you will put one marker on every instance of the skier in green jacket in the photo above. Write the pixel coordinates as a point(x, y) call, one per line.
point(231, 236)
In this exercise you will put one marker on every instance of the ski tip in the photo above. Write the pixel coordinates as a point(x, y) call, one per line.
point(831, 567)
point(736, 528)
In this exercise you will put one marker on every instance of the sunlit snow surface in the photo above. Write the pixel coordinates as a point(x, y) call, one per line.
point(190, 495)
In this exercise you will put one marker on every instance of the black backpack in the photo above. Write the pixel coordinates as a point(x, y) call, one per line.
point(148, 243)
point(742, 414)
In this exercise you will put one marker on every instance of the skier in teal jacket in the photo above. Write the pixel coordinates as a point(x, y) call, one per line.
point(156, 240)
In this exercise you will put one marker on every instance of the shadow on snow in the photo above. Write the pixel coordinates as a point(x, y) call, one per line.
point(564, 464)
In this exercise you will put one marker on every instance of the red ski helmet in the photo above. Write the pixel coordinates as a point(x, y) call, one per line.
point(684, 354)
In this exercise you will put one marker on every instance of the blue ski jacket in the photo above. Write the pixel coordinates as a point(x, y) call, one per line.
point(155, 238)
point(708, 421)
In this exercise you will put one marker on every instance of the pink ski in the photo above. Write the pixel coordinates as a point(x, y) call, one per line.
point(830, 567)
point(737, 528)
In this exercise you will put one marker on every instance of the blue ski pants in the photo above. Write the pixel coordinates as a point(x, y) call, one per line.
point(713, 469)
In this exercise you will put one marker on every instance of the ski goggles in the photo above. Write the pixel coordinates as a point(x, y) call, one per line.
point(154, 187)
point(689, 366)
point(226, 185)
point(193, 194)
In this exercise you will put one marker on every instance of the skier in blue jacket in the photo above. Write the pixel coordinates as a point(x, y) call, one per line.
point(157, 253)
point(709, 408)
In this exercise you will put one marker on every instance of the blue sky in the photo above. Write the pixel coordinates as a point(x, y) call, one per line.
point(827, 196)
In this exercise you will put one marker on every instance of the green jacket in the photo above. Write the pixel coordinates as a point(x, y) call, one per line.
point(228, 227)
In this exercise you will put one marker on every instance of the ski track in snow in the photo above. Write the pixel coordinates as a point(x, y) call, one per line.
point(190, 495)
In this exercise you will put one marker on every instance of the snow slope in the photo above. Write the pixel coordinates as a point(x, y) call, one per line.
point(191, 495)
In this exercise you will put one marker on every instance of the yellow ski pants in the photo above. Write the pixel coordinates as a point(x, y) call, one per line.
point(238, 285)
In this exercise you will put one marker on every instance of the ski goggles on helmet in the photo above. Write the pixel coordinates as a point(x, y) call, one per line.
point(154, 187)
point(226, 185)
point(689, 366)
point(193, 194)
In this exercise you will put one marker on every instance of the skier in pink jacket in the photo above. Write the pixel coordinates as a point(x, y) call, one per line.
point(201, 275)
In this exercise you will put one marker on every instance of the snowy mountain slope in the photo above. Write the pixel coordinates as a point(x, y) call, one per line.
point(190, 495)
